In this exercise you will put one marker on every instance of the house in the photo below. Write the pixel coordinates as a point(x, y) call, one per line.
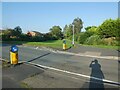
point(33, 33)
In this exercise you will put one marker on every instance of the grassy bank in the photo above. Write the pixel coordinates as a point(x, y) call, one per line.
point(56, 44)
point(103, 46)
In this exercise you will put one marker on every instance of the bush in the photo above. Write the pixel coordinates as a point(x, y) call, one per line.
point(83, 36)
point(93, 40)
point(110, 41)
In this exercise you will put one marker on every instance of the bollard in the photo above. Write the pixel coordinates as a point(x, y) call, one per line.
point(14, 55)
point(64, 45)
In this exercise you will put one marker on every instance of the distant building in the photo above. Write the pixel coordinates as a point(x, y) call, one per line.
point(33, 33)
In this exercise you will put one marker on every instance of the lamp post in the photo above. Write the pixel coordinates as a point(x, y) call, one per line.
point(73, 36)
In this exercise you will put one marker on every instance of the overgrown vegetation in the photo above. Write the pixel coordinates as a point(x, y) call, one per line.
point(105, 34)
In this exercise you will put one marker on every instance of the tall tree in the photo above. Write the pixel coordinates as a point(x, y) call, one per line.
point(78, 25)
point(68, 30)
point(56, 32)
point(18, 31)
point(65, 30)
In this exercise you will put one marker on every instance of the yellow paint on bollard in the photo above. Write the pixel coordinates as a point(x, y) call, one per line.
point(14, 57)
point(64, 46)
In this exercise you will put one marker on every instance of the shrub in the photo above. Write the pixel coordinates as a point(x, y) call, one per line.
point(93, 40)
point(110, 41)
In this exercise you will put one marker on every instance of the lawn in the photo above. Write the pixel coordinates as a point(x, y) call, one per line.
point(56, 44)
point(104, 46)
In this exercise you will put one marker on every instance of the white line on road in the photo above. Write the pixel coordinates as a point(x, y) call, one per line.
point(76, 54)
point(77, 74)
point(68, 72)
point(102, 57)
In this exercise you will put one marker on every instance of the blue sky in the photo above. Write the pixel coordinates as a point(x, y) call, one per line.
point(41, 16)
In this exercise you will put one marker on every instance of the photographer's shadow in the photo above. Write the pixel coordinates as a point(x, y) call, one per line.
point(96, 73)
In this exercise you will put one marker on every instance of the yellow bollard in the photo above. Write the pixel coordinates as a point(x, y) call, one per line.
point(64, 45)
point(14, 55)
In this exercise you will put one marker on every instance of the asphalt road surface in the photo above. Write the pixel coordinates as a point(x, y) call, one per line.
point(80, 71)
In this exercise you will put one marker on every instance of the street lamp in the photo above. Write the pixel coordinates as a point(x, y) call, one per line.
point(73, 36)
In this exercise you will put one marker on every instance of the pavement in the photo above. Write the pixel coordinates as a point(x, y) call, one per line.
point(94, 51)
point(63, 69)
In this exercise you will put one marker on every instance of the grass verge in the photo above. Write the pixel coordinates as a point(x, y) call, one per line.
point(103, 46)
point(56, 44)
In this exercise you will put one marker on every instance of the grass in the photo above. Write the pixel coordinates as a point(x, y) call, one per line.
point(104, 46)
point(25, 85)
point(52, 44)
point(56, 44)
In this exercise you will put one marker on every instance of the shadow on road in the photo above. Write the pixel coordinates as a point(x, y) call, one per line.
point(38, 57)
point(97, 73)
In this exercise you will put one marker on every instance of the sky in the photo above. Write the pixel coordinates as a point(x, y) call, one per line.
point(41, 16)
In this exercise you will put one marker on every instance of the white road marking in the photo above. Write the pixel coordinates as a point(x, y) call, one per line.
point(77, 54)
point(77, 74)
point(68, 72)
point(84, 55)
point(83, 80)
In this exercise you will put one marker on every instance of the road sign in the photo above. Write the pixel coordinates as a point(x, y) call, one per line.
point(14, 48)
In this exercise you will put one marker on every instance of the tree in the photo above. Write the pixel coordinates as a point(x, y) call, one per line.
point(78, 25)
point(109, 28)
point(65, 30)
point(87, 28)
point(8, 33)
point(68, 32)
point(18, 31)
point(83, 36)
point(56, 32)
point(92, 29)
point(48, 36)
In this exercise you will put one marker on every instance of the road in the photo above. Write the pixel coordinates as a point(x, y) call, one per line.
point(76, 69)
